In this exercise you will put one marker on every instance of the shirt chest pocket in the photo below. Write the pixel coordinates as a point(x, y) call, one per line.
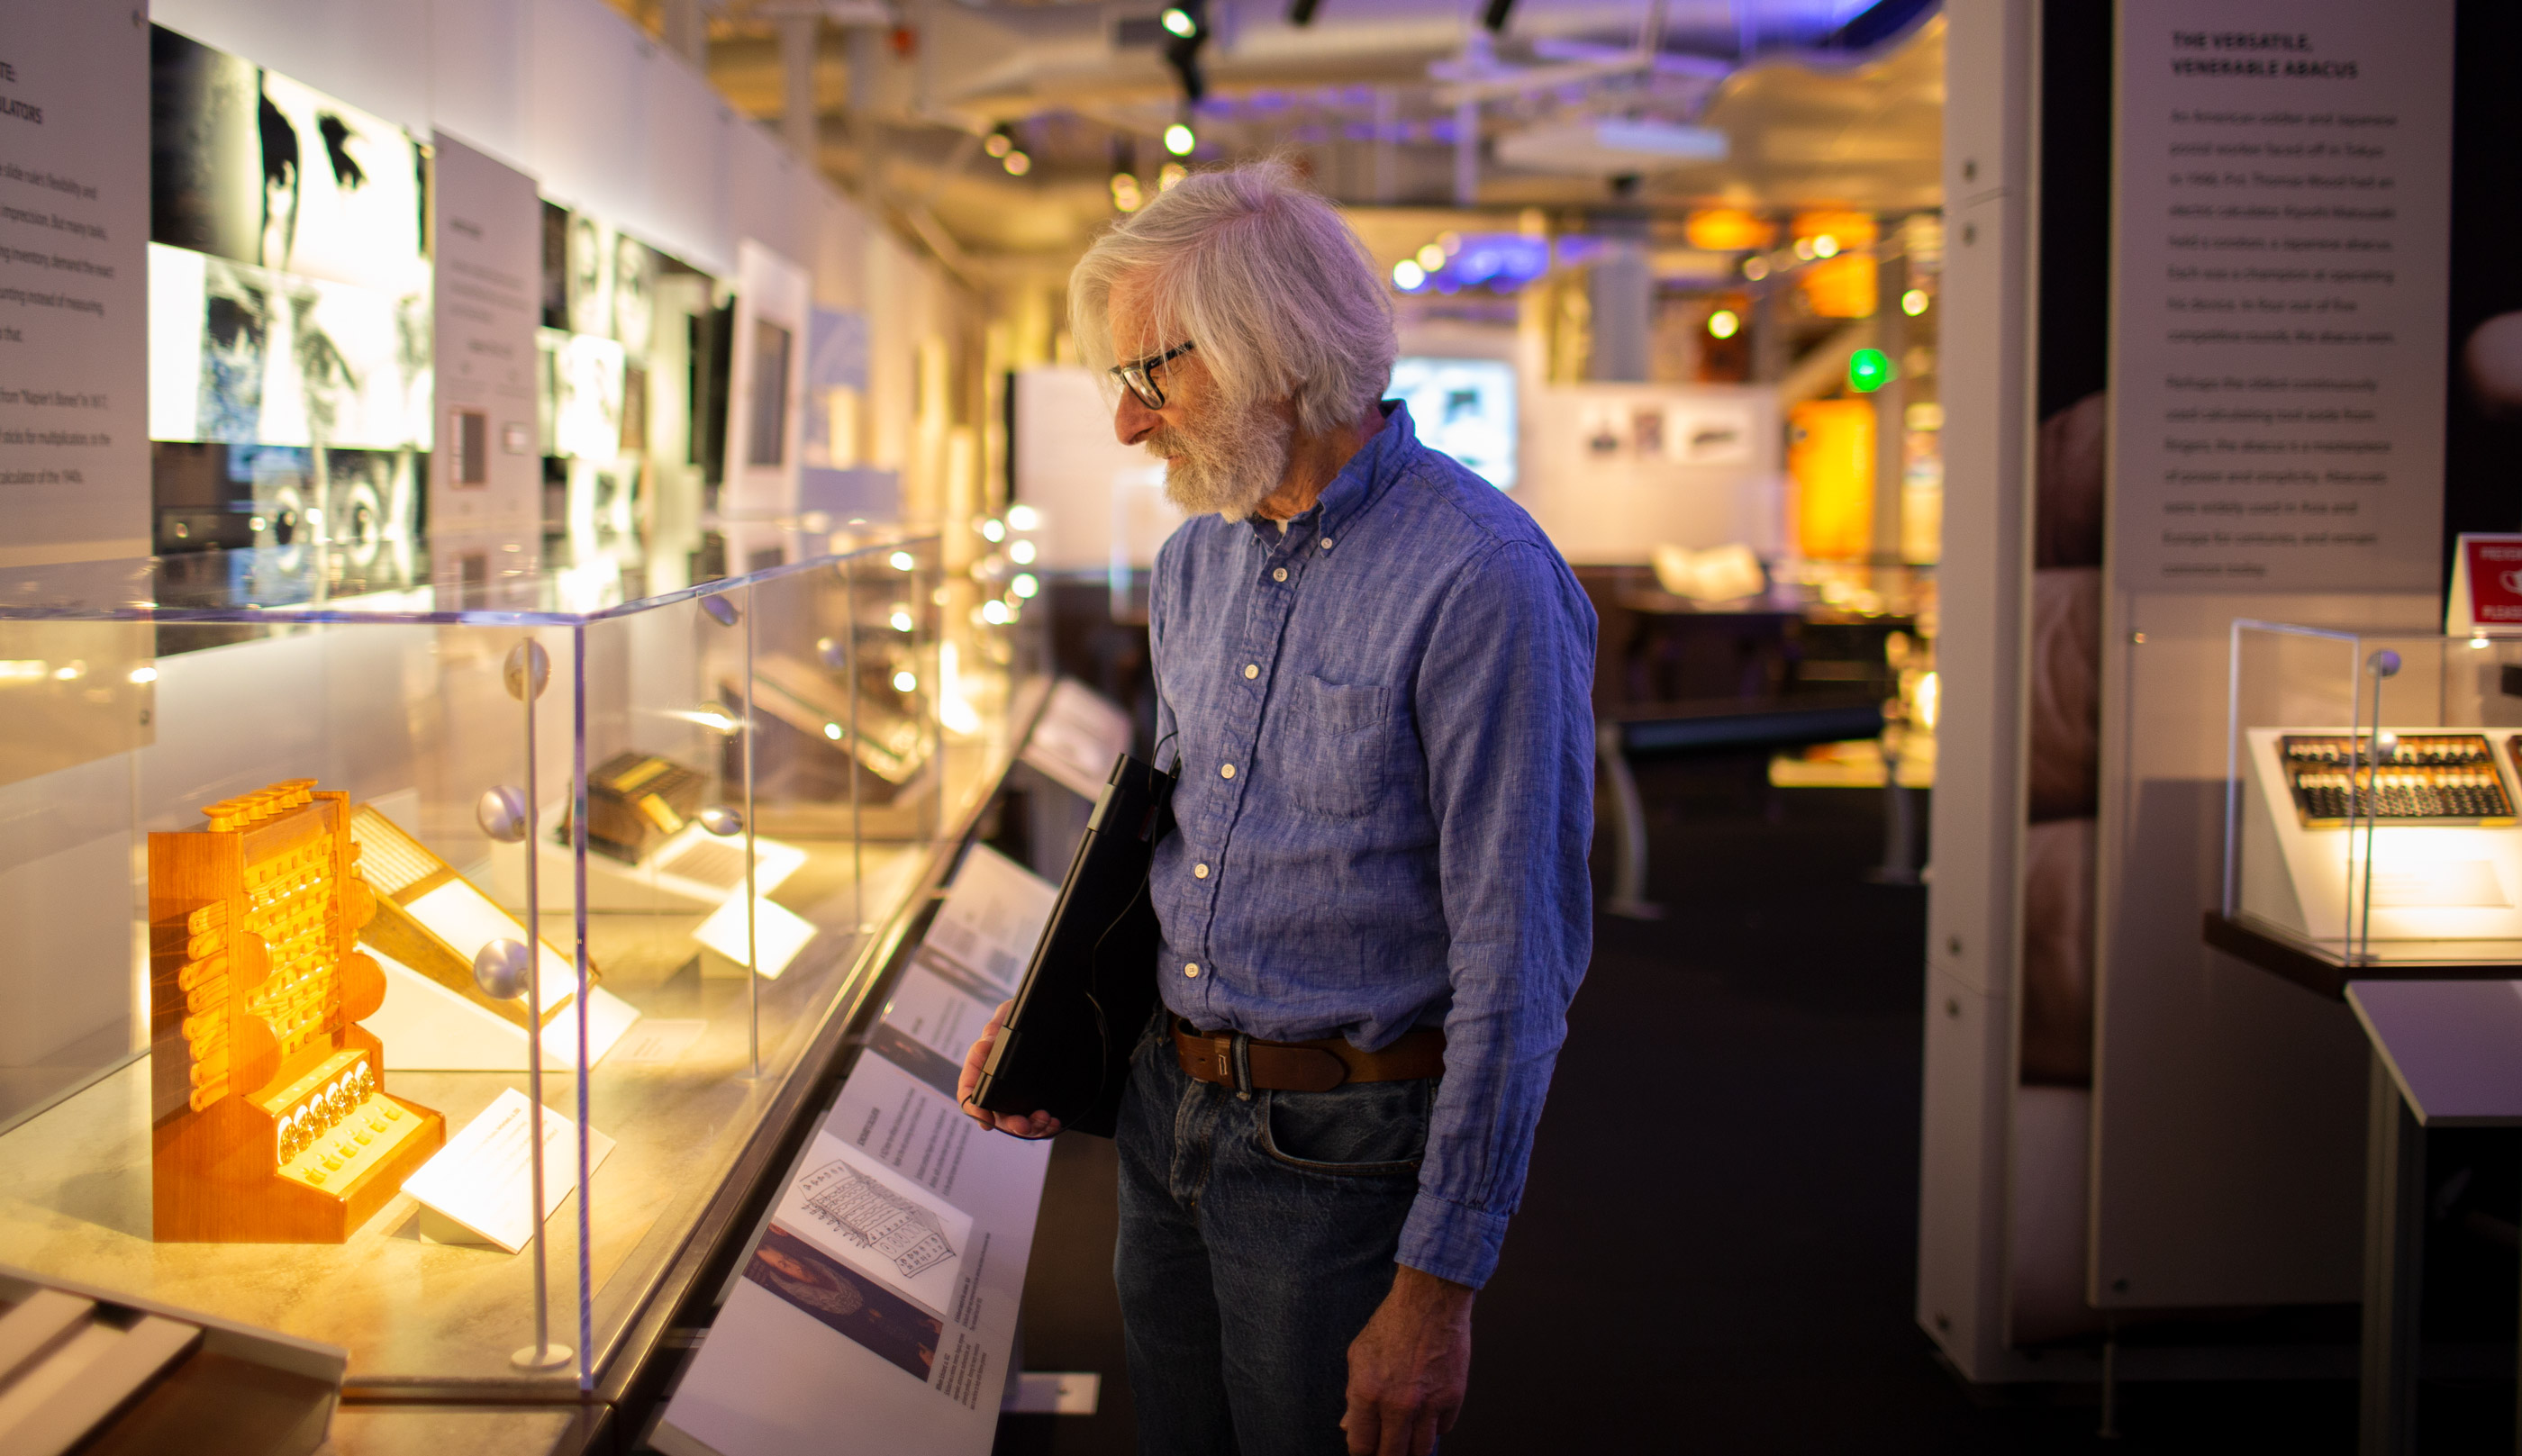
point(1335, 743)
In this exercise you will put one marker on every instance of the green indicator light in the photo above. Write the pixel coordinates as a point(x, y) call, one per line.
point(1869, 370)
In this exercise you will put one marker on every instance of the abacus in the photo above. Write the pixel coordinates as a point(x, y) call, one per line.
point(2412, 778)
point(272, 1124)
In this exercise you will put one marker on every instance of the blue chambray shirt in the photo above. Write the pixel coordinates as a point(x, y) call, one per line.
point(1386, 731)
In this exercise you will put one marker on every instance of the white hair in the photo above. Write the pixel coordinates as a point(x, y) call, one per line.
point(1263, 275)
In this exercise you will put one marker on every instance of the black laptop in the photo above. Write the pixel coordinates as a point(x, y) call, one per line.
point(1092, 983)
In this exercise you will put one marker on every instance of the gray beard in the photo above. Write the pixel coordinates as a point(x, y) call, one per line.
point(1228, 467)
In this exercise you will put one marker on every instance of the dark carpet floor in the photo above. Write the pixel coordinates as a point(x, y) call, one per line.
point(1717, 1247)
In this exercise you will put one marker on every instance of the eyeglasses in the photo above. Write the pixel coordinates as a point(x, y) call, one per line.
point(1140, 377)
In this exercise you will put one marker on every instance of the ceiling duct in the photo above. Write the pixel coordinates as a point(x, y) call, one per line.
point(1612, 148)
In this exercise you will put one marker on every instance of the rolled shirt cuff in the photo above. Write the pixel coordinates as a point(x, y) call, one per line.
point(1452, 1241)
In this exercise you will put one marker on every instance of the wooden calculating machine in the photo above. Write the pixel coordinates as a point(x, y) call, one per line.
point(273, 1120)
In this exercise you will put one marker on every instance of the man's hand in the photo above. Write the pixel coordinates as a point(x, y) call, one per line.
point(1033, 1124)
point(1407, 1368)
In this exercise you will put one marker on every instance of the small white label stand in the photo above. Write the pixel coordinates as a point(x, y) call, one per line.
point(477, 1190)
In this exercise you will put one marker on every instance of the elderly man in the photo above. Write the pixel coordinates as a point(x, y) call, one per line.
point(1374, 674)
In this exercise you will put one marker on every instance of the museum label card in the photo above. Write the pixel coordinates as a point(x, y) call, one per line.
point(782, 932)
point(993, 916)
point(871, 1217)
point(1076, 739)
point(929, 1025)
point(484, 1178)
point(851, 1288)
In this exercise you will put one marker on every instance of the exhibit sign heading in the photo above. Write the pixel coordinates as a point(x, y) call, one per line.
point(2278, 300)
point(74, 282)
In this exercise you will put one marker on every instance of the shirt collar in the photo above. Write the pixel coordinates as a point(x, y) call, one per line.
point(1357, 485)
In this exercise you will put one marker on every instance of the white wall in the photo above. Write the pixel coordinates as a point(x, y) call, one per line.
point(1616, 509)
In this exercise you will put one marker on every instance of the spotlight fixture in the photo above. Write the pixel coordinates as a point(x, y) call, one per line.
point(1408, 276)
point(1914, 303)
point(1186, 28)
point(999, 142)
point(1018, 164)
point(1180, 139)
point(1724, 323)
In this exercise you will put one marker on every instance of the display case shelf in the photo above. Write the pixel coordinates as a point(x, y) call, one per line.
point(405, 704)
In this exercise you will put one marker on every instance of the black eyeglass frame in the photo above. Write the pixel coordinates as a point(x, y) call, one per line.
point(1139, 376)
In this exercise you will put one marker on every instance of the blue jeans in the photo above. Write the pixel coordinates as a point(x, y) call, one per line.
point(1257, 1235)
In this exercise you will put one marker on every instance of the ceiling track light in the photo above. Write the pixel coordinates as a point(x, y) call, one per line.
point(1494, 19)
point(1187, 30)
point(1301, 12)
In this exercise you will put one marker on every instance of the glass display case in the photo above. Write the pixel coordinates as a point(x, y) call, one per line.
point(2372, 792)
point(310, 891)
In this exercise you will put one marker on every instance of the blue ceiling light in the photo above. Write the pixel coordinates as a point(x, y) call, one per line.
point(1501, 262)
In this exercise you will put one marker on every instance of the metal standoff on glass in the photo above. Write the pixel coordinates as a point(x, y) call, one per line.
point(545, 1357)
point(502, 969)
point(527, 659)
point(721, 821)
point(834, 654)
point(2378, 749)
point(526, 672)
point(722, 609)
point(502, 813)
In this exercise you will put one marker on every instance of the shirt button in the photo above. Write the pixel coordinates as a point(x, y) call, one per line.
point(1279, 575)
point(1200, 872)
point(1251, 669)
point(1191, 970)
point(1326, 543)
point(1225, 770)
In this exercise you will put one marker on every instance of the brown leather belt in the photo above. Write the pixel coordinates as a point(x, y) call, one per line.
point(1304, 1066)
